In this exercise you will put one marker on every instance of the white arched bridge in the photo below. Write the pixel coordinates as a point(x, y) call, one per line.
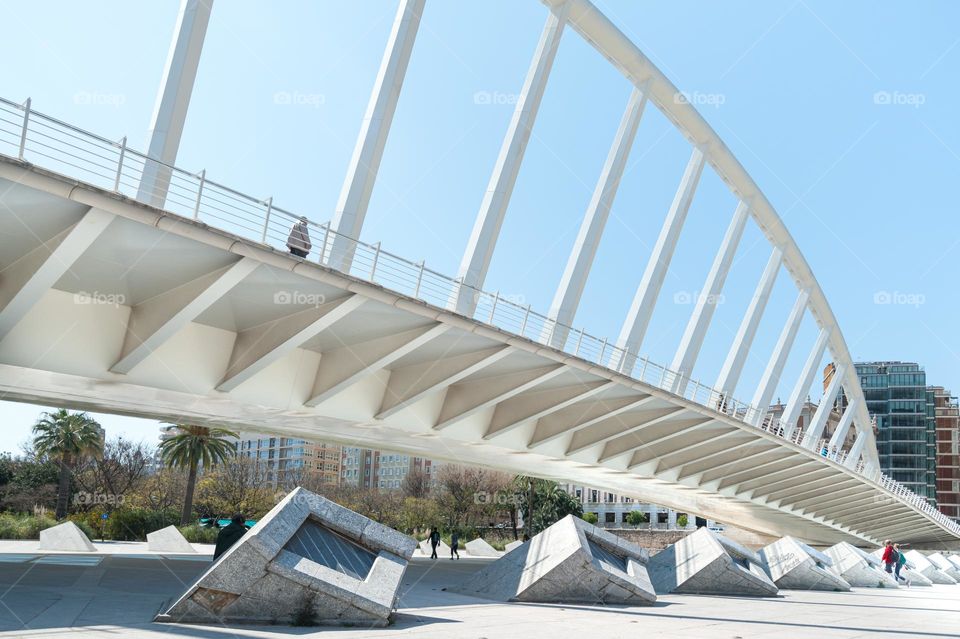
point(128, 285)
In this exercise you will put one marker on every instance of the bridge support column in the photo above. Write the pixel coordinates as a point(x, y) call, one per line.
point(170, 112)
point(771, 375)
point(839, 435)
point(567, 299)
point(802, 387)
point(706, 302)
point(486, 229)
point(856, 451)
point(812, 437)
point(365, 164)
point(737, 357)
point(645, 300)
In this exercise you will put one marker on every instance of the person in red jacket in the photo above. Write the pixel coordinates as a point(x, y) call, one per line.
point(890, 556)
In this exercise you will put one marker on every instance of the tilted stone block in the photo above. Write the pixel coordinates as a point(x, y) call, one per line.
point(942, 562)
point(308, 558)
point(707, 563)
point(569, 562)
point(168, 539)
point(480, 548)
point(859, 568)
point(928, 569)
point(793, 565)
point(66, 536)
point(513, 545)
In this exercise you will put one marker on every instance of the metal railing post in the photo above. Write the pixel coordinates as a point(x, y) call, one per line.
point(123, 153)
point(323, 247)
point(523, 325)
point(493, 307)
point(376, 258)
point(603, 349)
point(576, 351)
point(266, 219)
point(23, 129)
point(416, 291)
point(196, 208)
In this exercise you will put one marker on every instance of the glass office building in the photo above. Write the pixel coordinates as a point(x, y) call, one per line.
point(905, 410)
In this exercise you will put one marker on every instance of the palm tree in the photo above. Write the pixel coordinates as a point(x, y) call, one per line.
point(193, 446)
point(66, 437)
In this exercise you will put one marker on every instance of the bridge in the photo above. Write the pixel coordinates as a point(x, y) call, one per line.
point(129, 285)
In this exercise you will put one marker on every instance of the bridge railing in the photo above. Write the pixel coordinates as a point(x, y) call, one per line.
point(112, 165)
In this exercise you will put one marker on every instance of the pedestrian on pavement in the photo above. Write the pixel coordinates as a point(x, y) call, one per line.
point(299, 239)
point(901, 562)
point(889, 557)
point(454, 545)
point(230, 534)
point(434, 542)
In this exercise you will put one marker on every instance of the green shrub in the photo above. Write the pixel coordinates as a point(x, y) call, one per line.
point(590, 518)
point(133, 524)
point(635, 517)
point(23, 526)
point(197, 534)
point(682, 521)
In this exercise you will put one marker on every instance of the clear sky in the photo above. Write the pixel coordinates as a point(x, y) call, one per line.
point(844, 113)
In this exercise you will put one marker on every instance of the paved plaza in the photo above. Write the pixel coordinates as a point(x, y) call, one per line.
point(117, 595)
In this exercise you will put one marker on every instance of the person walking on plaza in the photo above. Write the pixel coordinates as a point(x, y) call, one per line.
point(901, 562)
point(889, 557)
point(434, 542)
point(299, 239)
point(230, 534)
point(454, 544)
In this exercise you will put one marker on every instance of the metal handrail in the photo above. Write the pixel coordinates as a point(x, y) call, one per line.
point(114, 166)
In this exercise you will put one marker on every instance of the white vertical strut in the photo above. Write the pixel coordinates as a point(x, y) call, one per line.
point(737, 356)
point(802, 387)
point(170, 112)
point(812, 437)
point(567, 298)
point(641, 310)
point(856, 451)
point(771, 375)
point(839, 435)
point(368, 152)
point(486, 229)
point(706, 302)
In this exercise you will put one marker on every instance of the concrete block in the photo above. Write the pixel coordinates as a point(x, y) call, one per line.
point(513, 545)
point(928, 569)
point(569, 562)
point(480, 548)
point(942, 562)
point(168, 539)
point(707, 563)
point(443, 550)
point(908, 571)
point(859, 568)
point(66, 537)
point(308, 555)
point(793, 565)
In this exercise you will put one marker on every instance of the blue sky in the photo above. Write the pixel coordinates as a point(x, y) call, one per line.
point(844, 113)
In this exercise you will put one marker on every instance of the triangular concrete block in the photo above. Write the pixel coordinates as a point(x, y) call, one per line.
point(443, 550)
point(928, 569)
point(66, 536)
point(569, 562)
point(704, 562)
point(513, 545)
point(908, 571)
point(793, 565)
point(859, 568)
point(480, 548)
point(168, 539)
point(943, 563)
point(309, 558)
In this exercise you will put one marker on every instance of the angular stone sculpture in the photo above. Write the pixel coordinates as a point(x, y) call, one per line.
point(480, 548)
point(168, 539)
point(443, 550)
point(569, 562)
point(943, 563)
point(858, 568)
point(793, 565)
point(707, 563)
point(308, 560)
point(513, 545)
point(928, 569)
point(67, 537)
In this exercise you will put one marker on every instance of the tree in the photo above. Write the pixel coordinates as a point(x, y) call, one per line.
point(235, 486)
point(66, 437)
point(635, 517)
point(549, 503)
point(117, 471)
point(416, 484)
point(191, 447)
